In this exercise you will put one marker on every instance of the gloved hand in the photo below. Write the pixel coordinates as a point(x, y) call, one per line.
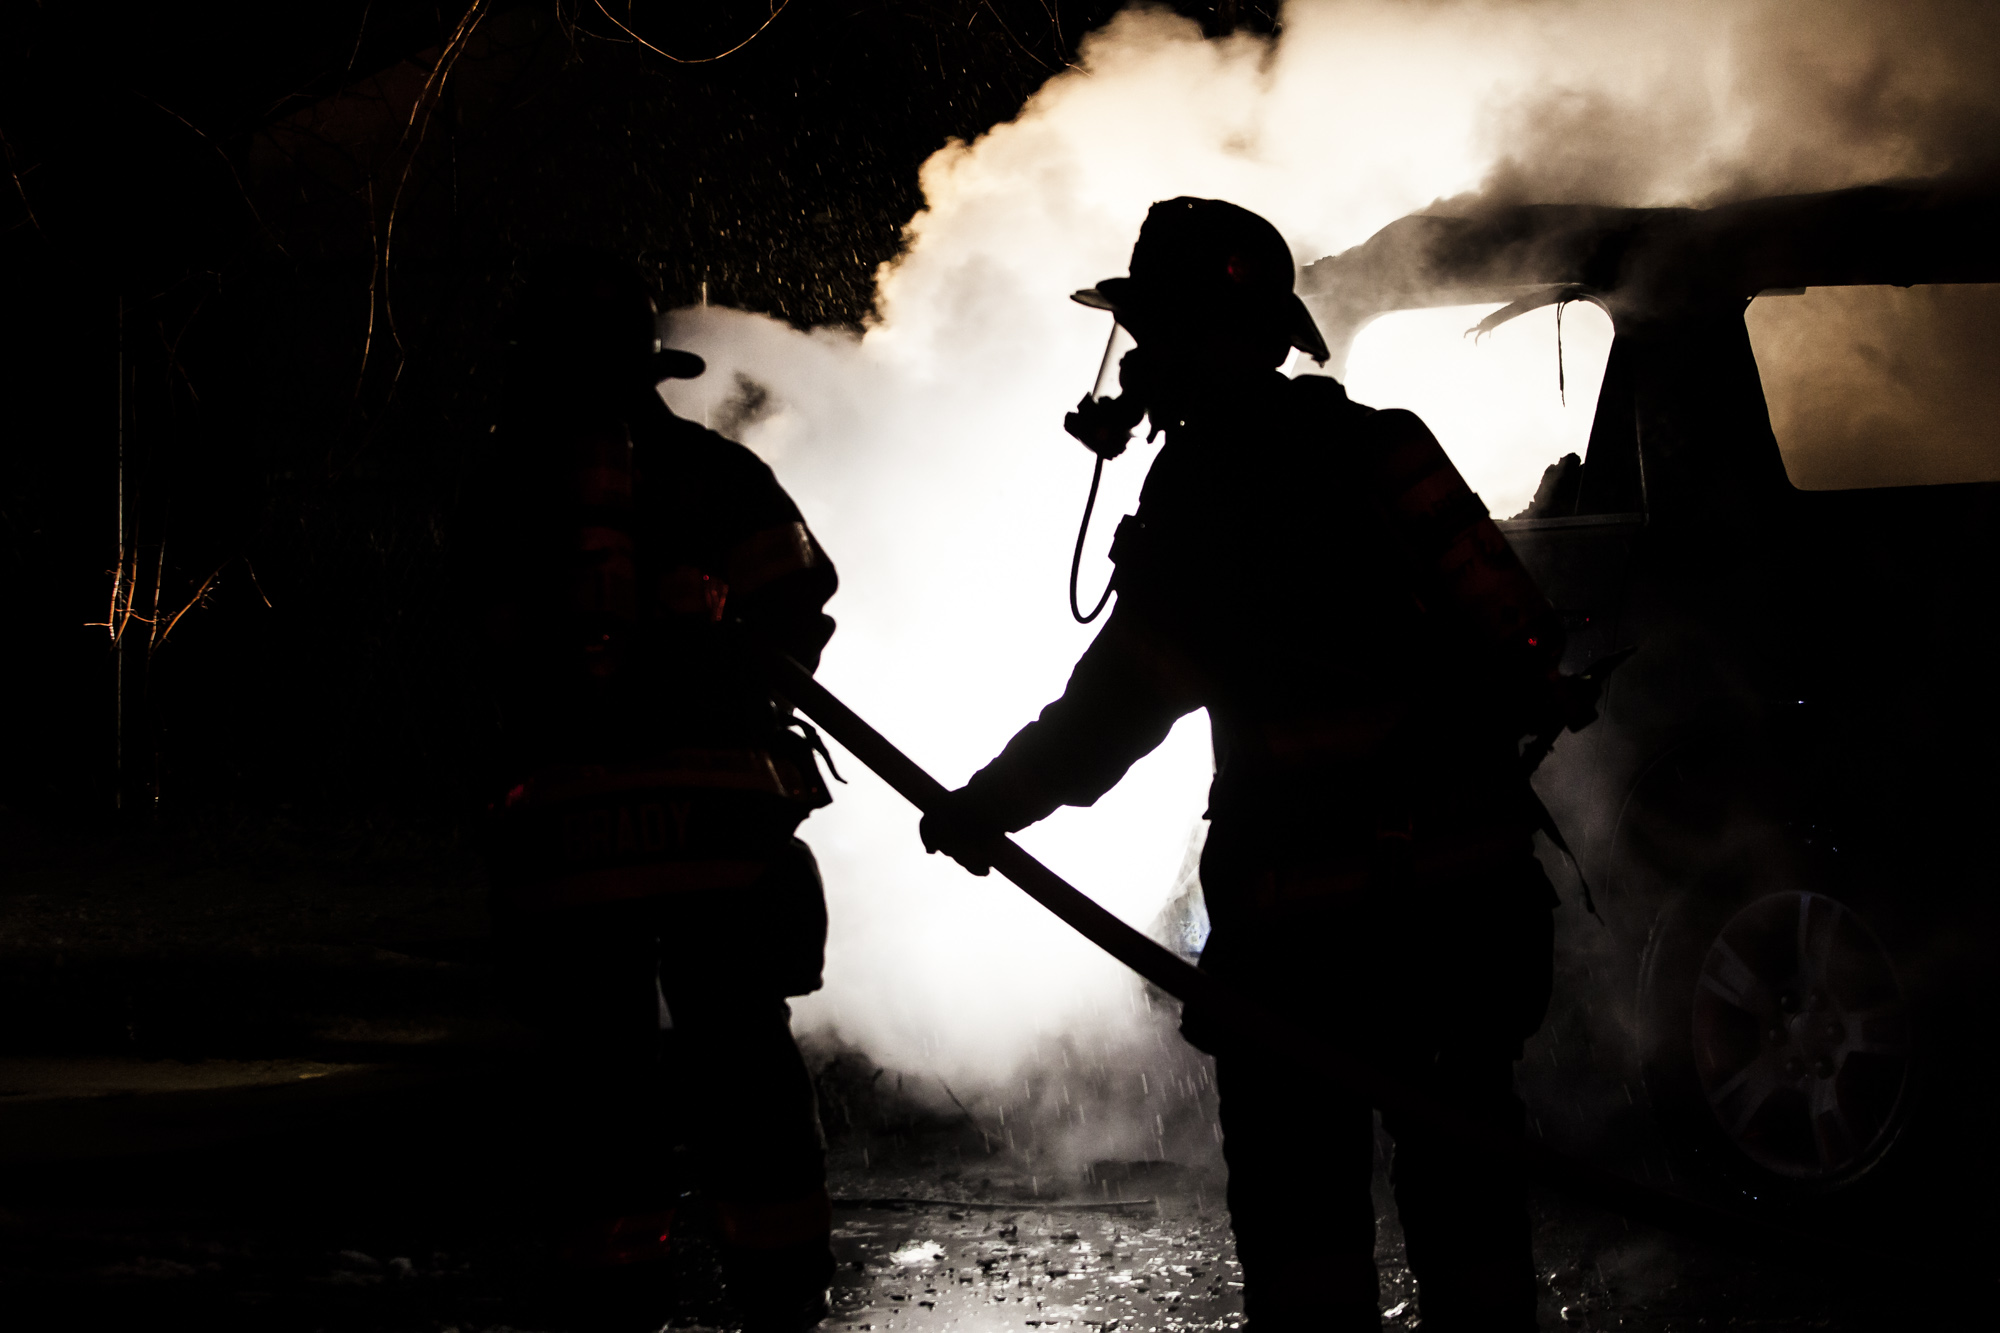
point(961, 830)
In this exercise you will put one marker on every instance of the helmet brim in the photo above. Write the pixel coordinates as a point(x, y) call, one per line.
point(1119, 295)
point(1095, 298)
point(672, 364)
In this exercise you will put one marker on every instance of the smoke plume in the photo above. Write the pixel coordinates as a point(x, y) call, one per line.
point(928, 453)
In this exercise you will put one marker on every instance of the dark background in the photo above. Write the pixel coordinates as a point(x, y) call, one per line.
point(265, 255)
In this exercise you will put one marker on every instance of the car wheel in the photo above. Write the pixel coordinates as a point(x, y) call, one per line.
point(1777, 1031)
point(1799, 1039)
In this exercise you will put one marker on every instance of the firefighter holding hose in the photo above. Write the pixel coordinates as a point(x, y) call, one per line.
point(655, 908)
point(1315, 574)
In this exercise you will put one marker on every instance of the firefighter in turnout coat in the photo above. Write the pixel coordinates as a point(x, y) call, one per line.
point(1315, 574)
point(656, 907)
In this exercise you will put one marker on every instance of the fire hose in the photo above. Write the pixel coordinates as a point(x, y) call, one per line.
point(1259, 1025)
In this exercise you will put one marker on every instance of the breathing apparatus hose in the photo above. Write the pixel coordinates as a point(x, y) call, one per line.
point(1252, 1023)
point(1076, 559)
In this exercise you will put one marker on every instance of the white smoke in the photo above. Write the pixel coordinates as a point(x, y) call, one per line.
point(928, 453)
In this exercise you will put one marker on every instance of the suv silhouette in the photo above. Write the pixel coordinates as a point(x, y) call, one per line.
point(1786, 810)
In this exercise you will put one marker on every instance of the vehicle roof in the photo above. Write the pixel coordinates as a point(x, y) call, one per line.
point(1654, 262)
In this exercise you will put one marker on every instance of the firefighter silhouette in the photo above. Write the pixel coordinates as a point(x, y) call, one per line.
point(1317, 576)
point(656, 908)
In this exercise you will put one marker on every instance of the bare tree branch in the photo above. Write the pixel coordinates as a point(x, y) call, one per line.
point(241, 189)
point(20, 186)
point(776, 10)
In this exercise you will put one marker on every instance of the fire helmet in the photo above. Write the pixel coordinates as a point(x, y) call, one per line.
point(591, 312)
point(1207, 258)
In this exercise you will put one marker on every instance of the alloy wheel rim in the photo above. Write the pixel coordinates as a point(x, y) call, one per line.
point(1802, 1038)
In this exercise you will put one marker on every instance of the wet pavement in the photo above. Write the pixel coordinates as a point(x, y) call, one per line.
point(417, 1192)
point(364, 1214)
point(1168, 1263)
point(937, 1266)
point(329, 1136)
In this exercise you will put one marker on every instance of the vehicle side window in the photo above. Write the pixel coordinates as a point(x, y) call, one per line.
point(1495, 402)
point(1882, 386)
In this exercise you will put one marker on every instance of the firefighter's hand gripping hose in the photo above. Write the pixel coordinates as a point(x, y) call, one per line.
point(946, 829)
point(1254, 1024)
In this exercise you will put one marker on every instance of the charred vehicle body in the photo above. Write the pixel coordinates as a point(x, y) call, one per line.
point(1785, 811)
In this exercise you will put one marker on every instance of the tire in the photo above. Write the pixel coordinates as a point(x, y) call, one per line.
point(1778, 1035)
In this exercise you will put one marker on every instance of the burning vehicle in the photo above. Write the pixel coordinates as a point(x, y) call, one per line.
point(1785, 810)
